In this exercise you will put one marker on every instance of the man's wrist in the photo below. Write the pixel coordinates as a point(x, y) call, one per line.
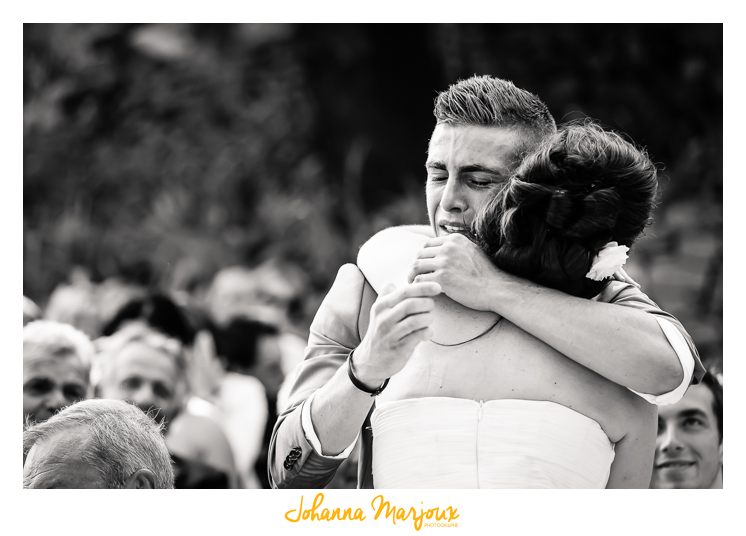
point(363, 373)
point(508, 291)
point(372, 391)
point(495, 292)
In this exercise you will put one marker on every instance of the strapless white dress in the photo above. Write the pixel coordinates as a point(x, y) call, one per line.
point(440, 442)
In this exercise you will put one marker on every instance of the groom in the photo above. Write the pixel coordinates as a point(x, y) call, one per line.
point(358, 340)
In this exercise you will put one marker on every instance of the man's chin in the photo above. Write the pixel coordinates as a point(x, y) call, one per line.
point(677, 479)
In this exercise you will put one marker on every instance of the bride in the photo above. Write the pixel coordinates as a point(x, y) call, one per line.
point(485, 404)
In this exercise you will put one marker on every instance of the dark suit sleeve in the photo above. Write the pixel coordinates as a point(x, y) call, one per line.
point(628, 295)
point(334, 332)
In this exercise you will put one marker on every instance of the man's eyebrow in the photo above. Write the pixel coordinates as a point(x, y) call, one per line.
point(692, 413)
point(435, 164)
point(479, 168)
point(39, 379)
point(472, 168)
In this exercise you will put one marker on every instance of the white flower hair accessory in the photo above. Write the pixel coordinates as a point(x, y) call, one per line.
point(608, 261)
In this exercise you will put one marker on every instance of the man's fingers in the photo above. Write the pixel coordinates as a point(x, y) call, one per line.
point(435, 242)
point(414, 290)
point(428, 252)
point(384, 297)
point(411, 324)
point(442, 245)
point(431, 277)
point(411, 306)
point(417, 336)
point(423, 266)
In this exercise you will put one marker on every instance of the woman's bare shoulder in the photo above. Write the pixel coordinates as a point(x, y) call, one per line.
point(388, 256)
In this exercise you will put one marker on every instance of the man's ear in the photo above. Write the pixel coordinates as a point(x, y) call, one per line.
point(141, 479)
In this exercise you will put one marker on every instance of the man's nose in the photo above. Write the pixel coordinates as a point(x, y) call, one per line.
point(669, 441)
point(453, 199)
point(144, 397)
point(56, 400)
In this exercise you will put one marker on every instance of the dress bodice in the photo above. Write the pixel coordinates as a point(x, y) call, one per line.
point(442, 442)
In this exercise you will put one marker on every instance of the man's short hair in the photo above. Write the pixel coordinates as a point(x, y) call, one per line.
point(156, 310)
point(121, 440)
point(45, 338)
point(493, 102)
point(711, 381)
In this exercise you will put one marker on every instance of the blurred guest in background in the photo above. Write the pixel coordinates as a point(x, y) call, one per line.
point(142, 367)
point(112, 294)
point(236, 401)
point(250, 354)
point(271, 294)
point(156, 311)
point(76, 304)
point(56, 365)
point(97, 444)
point(689, 451)
point(147, 368)
point(31, 311)
point(253, 320)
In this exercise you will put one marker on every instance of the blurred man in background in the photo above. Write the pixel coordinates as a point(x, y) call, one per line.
point(56, 366)
point(75, 303)
point(269, 293)
point(97, 444)
point(689, 451)
point(252, 316)
point(147, 368)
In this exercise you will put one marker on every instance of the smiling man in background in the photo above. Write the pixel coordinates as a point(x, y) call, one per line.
point(56, 365)
point(689, 451)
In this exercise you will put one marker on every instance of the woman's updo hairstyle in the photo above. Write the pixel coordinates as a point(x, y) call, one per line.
point(582, 188)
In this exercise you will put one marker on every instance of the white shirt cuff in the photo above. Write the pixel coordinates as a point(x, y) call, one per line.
point(305, 420)
point(677, 342)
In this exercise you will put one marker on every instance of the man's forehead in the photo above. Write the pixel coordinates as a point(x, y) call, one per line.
point(475, 142)
point(73, 474)
point(491, 134)
point(55, 364)
point(61, 446)
point(141, 356)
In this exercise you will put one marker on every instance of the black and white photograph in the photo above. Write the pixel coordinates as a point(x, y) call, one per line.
point(364, 269)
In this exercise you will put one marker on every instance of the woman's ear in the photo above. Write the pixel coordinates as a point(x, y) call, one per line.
point(141, 479)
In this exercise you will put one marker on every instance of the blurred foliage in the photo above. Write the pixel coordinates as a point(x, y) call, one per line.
point(147, 146)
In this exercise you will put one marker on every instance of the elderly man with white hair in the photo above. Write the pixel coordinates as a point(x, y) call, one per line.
point(97, 444)
point(56, 365)
point(149, 369)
